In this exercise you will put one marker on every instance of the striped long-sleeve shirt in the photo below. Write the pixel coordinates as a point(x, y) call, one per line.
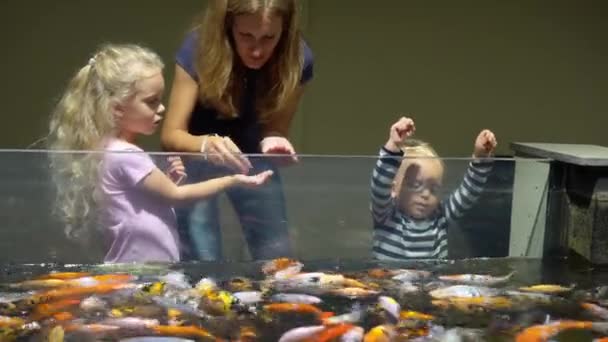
point(397, 236)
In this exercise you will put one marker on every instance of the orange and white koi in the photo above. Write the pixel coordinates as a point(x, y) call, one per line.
point(332, 332)
point(596, 310)
point(282, 267)
point(70, 292)
point(476, 279)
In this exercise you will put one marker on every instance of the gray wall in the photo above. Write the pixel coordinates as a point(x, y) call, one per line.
point(530, 70)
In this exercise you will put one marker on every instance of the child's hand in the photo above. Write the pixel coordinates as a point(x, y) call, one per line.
point(484, 144)
point(400, 131)
point(176, 170)
point(254, 180)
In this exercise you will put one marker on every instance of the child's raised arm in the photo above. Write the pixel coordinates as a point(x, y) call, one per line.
point(386, 168)
point(476, 176)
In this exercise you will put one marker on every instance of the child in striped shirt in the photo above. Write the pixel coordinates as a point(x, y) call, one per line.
point(410, 220)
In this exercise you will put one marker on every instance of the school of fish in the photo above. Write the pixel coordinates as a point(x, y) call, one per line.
point(288, 303)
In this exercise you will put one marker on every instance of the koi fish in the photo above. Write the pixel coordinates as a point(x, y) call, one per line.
point(353, 335)
point(56, 334)
point(405, 275)
point(380, 333)
point(56, 294)
point(301, 333)
point(293, 307)
point(352, 317)
point(547, 288)
point(390, 305)
point(131, 322)
point(468, 304)
point(353, 292)
point(64, 275)
point(477, 279)
point(405, 315)
point(48, 309)
point(332, 332)
point(295, 298)
point(249, 297)
point(596, 310)
point(182, 331)
point(466, 291)
point(282, 267)
point(541, 333)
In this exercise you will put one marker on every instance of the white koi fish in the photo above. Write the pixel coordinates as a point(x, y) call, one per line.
point(301, 333)
point(476, 279)
point(464, 291)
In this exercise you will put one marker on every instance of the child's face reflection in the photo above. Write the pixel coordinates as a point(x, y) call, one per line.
point(418, 190)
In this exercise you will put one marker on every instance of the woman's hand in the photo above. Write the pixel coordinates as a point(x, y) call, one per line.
point(223, 151)
point(279, 145)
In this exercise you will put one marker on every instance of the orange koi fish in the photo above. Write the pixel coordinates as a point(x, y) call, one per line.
point(541, 333)
point(332, 332)
point(182, 331)
point(48, 309)
point(70, 292)
point(293, 307)
point(64, 275)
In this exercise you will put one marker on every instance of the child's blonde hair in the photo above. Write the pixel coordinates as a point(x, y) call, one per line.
point(413, 148)
point(221, 75)
point(83, 118)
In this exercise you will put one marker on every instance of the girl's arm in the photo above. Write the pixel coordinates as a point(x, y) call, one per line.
point(158, 183)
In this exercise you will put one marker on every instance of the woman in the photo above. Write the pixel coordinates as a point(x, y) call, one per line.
point(239, 78)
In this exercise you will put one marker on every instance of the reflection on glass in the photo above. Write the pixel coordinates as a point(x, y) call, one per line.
point(326, 201)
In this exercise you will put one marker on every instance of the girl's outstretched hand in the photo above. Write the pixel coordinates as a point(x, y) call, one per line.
point(253, 180)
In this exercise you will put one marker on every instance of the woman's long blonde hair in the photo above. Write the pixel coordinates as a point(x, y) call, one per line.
point(219, 68)
point(82, 119)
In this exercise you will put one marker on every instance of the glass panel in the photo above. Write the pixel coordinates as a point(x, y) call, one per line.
point(327, 202)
